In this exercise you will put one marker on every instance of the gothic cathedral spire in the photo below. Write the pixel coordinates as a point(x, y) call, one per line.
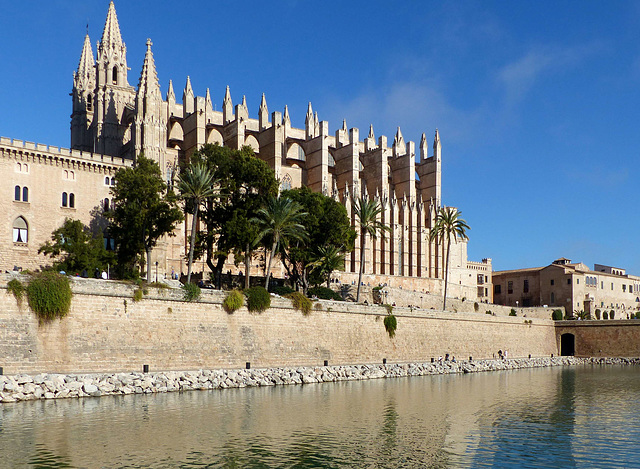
point(84, 83)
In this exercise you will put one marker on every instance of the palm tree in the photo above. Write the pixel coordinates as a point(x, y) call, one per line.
point(328, 259)
point(280, 220)
point(448, 225)
point(196, 184)
point(367, 212)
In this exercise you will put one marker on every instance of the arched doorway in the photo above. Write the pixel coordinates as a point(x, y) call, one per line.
point(567, 345)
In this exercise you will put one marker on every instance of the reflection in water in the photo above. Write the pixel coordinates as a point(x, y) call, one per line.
point(558, 417)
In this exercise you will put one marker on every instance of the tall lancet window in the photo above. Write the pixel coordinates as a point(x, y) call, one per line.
point(114, 75)
point(20, 230)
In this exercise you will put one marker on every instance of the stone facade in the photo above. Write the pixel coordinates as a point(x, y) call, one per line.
point(570, 285)
point(111, 117)
point(106, 331)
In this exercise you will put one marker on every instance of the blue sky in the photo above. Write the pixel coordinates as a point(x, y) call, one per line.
point(536, 102)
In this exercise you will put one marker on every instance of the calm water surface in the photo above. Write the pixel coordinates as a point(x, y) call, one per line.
point(558, 417)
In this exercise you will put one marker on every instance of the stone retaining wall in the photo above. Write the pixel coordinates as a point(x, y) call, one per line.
point(57, 386)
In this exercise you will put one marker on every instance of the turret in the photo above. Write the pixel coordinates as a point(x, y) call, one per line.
point(188, 101)
point(227, 107)
point(263, 114)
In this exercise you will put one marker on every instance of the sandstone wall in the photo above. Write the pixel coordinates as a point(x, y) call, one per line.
point(107, 331)
point(602, 338)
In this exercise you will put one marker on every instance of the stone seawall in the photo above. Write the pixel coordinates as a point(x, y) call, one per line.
point(58, 386)
point(106, 331)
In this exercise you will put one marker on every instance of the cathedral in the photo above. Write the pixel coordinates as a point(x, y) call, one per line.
point(112, 122)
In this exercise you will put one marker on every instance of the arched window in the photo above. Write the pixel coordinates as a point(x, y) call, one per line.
point(286, 183)
point(106, 181)
point(25, 194)
point(72, 200)
point(89, 102)
point(113, 181)
point(64, 199)
point(20, 230)
point(106, 205)
point(16, 194)
point(114, 75)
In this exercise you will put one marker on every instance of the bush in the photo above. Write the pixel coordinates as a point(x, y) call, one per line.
point(282, 291)
point(390, 324)
point(16, 287)
point(605, 315)
point(556, 315)
point(300, 302)
point(258, 299)
point(233, 301)
point(389, 308)
point(49, 295)
point(138, 294)
point(324, 293)
point(488, 311)
point(513, 312)
point(191, 291)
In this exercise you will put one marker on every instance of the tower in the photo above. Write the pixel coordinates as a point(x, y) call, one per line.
point(111, 130)
point(84, 83)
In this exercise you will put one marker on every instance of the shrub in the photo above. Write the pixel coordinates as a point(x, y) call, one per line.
point(556, 315)
point(191, 291)
point(513, 312)
point(476, 306)
point(389, 309)
point(605, 315)
point(258, 299)
point(378, 288)
point(317, 306)
point(233, 301)
point(390, 324)
point(488, 311)
point(49, 295)
point(16, 287)
point(282, 291)
point(324, 293)
point(300, 302)
point(138, 294)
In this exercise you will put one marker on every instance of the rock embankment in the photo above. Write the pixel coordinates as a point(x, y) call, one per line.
point(58, 386)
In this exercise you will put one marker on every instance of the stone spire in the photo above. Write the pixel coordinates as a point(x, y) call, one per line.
point(208, 103)
point(309, 123)
point(171, 96)
point(148, 85)
point(227, 107)
point(263, 114)
point(437, 147)
point(316, 125)
point(111, 37)
point(399, 147)
point(85, 77)
point(188, 98)
point(344, 125)
point(424, 148)
point(244, 101)
point(286, 120)
point(371, 135)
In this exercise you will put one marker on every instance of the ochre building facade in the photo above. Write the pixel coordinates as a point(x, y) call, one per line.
point(112, 122)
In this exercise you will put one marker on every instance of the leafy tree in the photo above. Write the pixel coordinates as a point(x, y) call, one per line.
point(281, 220)
point(144, 211)
point(326, 223)
point(328, 259)
point(367, 212)
point(448, 225)
point(196, 184)
point(245, 185)
point(74, 248)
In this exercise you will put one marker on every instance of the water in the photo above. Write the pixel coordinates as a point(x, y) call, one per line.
point(559, 417)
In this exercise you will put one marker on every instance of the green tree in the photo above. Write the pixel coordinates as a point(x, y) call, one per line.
point(73, 248)
point(448, 225)
point(326, 223)
point(196, 185)
point(328, 259)
point(281, 221)
point(367, 212)
point(144, 211)
point(245, 185)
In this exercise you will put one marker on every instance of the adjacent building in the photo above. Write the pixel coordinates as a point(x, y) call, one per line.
point(112, 122)
point(571, 285)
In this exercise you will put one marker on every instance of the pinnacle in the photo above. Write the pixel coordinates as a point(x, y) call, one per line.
point(285, 117)
point(227, 95)
point(86, 66)
point(148, 77)
point(371, 135)
point(111, 34)
point(263, 103)
point(187, 88)
point(344, 124)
